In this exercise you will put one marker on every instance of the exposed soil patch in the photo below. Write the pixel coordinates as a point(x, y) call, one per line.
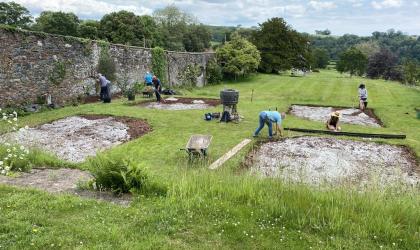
point(316, 160)
point(78, 137)
point(136, 127)
point(173, 103)
point(62, 180)
point(349, 115)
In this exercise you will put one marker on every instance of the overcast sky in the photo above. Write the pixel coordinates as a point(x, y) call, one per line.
point(360, 17)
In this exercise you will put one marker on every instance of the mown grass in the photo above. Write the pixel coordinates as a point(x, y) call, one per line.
point(227, 208)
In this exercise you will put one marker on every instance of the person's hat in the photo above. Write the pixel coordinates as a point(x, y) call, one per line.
point(336, 114)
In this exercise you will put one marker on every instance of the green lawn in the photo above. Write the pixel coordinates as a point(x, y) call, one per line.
point(227, 208)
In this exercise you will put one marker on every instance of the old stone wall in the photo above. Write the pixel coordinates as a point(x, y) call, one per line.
point(32, 64)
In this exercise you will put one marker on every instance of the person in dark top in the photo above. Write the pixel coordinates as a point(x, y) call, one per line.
point(158, 88)
point(332, 123)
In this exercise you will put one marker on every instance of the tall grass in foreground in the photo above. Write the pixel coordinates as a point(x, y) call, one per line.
point(378, 216)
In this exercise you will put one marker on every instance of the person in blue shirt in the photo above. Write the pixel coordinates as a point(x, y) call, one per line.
point(148, 79)
point(270, 117)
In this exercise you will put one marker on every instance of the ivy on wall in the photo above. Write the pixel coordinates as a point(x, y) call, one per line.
point(106, 65)
point(58, 73)
point(188, 76)
point(159, 63)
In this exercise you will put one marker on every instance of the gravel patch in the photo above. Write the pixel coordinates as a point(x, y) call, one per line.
point(316, 160)
point(349, 115)
point(173, 103)
point(76, 138)
point(62, 180)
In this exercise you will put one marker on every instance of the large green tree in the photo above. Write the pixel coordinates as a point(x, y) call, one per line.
point(89, 29)
point(57, 23)
point(197, 38)
point(173, 25)
point(239, 57)
point(352, 61)
point(281, 47)
point(320, 58)
point(14, 14)
point(121, 27)
point(411, 72)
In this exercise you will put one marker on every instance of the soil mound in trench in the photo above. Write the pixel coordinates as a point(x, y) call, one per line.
point(173, 103)
point(316, 160)
point(77, 137)
point(349, 115)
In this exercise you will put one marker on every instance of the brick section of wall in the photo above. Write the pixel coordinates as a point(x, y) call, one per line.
point(29, 61)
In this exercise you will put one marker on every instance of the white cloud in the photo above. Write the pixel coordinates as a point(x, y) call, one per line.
point(387, 4)
point(320, 5)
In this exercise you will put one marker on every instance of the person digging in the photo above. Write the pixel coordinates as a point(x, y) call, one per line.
point(333, 121)
point(157, 88)
point(268, 118)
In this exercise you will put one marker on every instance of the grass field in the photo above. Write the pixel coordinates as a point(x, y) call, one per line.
point(227, 208)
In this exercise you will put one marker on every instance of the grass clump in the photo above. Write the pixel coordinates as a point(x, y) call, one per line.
point(120, 175)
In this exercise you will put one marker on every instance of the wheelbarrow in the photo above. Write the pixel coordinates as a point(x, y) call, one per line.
point(198, 145)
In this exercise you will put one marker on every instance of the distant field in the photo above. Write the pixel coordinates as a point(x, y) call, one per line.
point(228, 208)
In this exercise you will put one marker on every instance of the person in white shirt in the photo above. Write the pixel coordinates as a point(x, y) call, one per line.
point(363, 96)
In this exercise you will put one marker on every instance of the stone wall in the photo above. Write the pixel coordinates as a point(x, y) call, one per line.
point(32, 64)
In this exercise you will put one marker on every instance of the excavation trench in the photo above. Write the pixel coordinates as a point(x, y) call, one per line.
point(173, 103)
point(77, 137)
point(349, 115)
point(330, 161)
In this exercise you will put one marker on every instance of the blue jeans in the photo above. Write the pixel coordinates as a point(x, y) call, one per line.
point(264, 120)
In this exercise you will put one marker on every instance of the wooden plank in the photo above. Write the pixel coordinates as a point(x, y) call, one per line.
point(229, 154)
point(363, 135)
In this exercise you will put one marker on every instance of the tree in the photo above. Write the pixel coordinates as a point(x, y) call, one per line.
point(14, 14)
point(57, 23)
point(383, 64)
point(172, 24)
point(197, 38)
point(239, 57)
point(281, 47)
point(121, 27)
point(148, 31)
point(89, 29)
point(320, 58)
point(352, 61)
point(411, 72)
point(326, 32)
point(368, 48)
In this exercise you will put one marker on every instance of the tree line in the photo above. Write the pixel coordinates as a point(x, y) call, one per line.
point(169, 28)
point(271, 47)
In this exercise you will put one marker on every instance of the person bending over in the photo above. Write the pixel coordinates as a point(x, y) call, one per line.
point(268, 118)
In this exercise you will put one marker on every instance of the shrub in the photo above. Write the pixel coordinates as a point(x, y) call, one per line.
point(188, 76)
point(214, 74)
point(117, 175)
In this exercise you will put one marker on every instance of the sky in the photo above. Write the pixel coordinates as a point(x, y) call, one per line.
point(360, 17)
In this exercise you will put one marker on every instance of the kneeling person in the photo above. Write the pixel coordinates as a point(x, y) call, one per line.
point(332, 123)
point(268, 117)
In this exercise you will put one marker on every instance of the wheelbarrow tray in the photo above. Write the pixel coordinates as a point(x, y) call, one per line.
point(198, 144)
